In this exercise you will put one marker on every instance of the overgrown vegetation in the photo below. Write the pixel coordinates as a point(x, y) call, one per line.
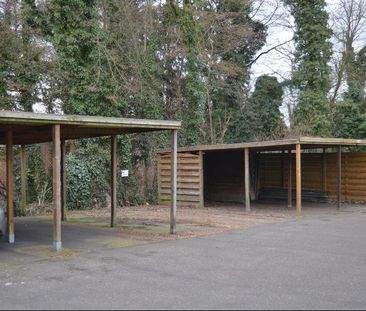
point(184, 60)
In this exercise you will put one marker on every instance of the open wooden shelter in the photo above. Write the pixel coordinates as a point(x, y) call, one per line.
point(304, 168)
point(20, 128)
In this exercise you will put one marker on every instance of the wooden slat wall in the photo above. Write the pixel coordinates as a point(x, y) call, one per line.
point(189, 179)
point(353, 176)
point(353, 173)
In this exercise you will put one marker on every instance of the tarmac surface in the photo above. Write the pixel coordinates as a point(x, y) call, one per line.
point(314, 262)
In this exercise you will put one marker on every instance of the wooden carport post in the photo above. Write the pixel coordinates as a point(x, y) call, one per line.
point(113, 179)
point(23, 180)
point(57, 244)
point(173, 170)
point(63, 181)
point(298, 178)
point(339, 175)
point(289, 180)
point(246, 179)
point(10, 186)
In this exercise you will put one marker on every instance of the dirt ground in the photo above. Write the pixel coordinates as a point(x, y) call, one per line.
point(152, 222)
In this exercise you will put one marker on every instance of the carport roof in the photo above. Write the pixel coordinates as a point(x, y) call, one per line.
point(29, 128)
point(281, 144)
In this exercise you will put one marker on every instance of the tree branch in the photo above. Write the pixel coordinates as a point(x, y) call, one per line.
point(268, 51)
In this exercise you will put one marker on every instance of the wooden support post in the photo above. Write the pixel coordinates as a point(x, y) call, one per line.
point(289, 180)
point(202, 185)
point(57, 244)
point(257, 174)
point(283, 177)
point(23, 180)
point(174, 166)
point(339, 176)
point(298, 178)
point(246, 179)
point(10, 186)
point(113, 179)
point(63, 181)
point(324, 170)
point(158, 167)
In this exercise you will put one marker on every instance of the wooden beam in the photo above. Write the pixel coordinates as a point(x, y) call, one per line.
point(10, 186)
point(174, 166)
point(289, 180)
point(57, 244)
point(339, 176)
point(23, 180)
point(246, 179)
point(298, 178)
point(202, 185)
point(113, 179)
point(63, 181)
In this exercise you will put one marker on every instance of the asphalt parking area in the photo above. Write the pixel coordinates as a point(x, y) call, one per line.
point(317, 261)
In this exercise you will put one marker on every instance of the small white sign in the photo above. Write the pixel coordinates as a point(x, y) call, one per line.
point(124, 173)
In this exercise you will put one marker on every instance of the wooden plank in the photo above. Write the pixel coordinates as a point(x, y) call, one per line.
point(339, 176)
point(181, 160)
point(201, 184)
point(174, 160)
point(181, 167)
point(63, 181)
point(298, 178)
point(57, 244)
point(289, 179)
point(23, 180)
point(10, 186)
point(247, 179)
point(182, 174)
point(187, 198)
point(182, 193)
point(113, 179)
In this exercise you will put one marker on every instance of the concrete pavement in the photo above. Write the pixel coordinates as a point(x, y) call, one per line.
point(318, 262)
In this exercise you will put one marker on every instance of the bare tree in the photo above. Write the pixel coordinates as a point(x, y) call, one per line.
point(349, 26)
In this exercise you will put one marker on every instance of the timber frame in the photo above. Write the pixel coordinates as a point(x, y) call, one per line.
point(24, 128)
point(294, 148)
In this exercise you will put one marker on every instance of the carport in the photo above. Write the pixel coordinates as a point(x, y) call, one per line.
point(21, 128)
point(294, 169)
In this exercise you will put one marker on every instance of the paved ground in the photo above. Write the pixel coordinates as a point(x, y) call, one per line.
point(314, 262)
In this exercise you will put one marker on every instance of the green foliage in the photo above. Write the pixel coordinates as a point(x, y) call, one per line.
point(266, 101)
point(88, 174)
point(79, 194)
point(261, 117)
point(188, 61)
point(21, 64)
point(312, 73)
